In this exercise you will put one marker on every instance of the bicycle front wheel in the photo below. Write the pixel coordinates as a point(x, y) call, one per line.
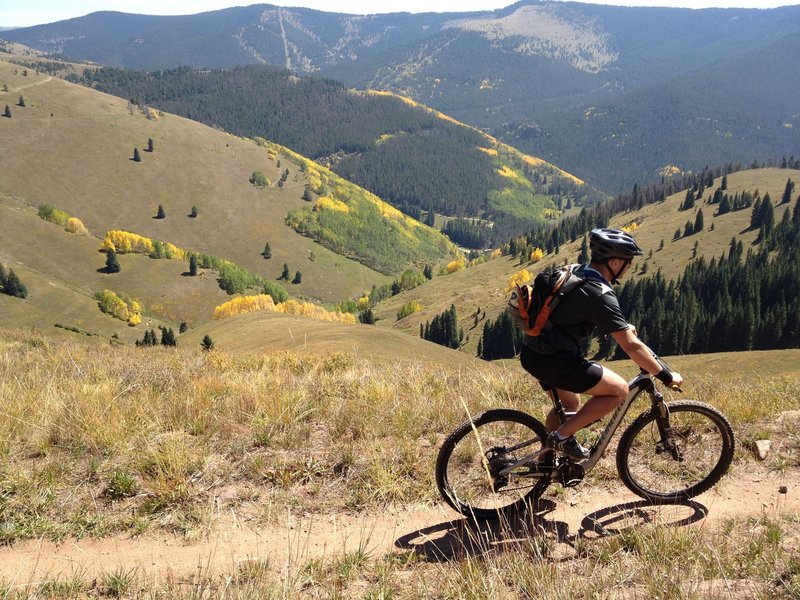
point(682, 464)
point(473, 471)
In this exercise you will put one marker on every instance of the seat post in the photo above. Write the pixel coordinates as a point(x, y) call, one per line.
point(558, 406)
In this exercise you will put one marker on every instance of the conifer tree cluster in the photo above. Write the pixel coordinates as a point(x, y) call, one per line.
point(443, 329)
point(738, 302)
point(10, 283)
point(501, 339)
point(151, 339)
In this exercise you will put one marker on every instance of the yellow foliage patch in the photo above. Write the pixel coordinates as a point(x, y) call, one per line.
point(518, 278)
point(307, 309)
point(74, 225)
point(130, 311)
point(245, 304)
point(536, 255)
point(496, 253)
point(123, 242)
point(456, 265)
point(510, 173)
point(331, 203)
point(489, 151)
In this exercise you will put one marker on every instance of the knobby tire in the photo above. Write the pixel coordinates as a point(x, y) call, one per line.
point(705, 443)
point(463, 478)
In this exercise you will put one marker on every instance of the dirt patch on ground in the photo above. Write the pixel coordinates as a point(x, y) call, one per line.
point(436, 532)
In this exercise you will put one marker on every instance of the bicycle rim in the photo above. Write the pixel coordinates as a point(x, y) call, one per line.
point(704, 442)
point(468, 465)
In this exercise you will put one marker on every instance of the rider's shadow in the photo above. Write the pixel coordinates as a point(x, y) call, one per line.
point(531, 531)
point(469, 538)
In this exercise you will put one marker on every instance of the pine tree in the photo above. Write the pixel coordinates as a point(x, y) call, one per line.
point(160, 214)
point(787, 192)
point(699, 225)
point(367, 317)
point(267, 253)
point(285, 274)
point(688, 201)
point(168, 337)
point(3, 276)
point(7, 112)
point(149, 144)
point(112, 264)
point(207, 344)
point(583, 257)
point(136, 156)
point(193, 265)
point(21, 102)
point(184, 327)
point(298, 278)
point(755, 215)
point(13, 286)
point(724, 205)
point(193, 213)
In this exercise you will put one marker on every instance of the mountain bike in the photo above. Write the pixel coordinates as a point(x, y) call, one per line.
point(496, 463)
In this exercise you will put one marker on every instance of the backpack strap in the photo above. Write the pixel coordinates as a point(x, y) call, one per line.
point(566, 282)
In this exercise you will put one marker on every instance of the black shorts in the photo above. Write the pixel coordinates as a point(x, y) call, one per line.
point(564, 370)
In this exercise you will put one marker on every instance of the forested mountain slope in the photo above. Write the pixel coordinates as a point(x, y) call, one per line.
point(530, 74)
point(419, 160)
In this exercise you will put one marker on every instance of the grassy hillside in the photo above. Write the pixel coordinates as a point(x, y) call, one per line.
point(484, 286)
point(417, 159)
point(73, 148)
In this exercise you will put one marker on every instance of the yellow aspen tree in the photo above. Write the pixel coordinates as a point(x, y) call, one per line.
point(518, 278)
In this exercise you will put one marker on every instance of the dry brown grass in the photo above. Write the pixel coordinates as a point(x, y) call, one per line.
point(94, 443)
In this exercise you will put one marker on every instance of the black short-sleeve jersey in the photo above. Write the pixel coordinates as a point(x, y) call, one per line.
point(594, 304)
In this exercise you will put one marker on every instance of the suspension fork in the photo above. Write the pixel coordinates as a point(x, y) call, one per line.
point(662, 420)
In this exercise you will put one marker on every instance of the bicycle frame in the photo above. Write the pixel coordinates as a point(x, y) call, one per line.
point(639, 384)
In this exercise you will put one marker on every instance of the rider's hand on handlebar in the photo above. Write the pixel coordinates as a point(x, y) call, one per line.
point(677, 381)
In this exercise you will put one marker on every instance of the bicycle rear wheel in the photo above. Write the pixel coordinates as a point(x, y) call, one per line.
point(470, 460)
point(703, 446)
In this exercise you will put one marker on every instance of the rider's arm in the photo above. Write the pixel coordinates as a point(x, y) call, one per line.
point(641, 355)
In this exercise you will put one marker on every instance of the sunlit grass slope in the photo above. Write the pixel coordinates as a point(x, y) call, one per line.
point(485, 285)
point(73, 148)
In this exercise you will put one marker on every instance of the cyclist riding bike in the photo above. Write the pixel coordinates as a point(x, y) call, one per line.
point(555, 358)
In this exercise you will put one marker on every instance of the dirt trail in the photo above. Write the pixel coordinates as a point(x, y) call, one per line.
point(436, 532)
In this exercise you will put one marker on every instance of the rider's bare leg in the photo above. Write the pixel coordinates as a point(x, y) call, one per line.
point(570, 401)
point(609, 393)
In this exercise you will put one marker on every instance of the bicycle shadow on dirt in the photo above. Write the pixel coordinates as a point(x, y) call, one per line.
point(532, 531)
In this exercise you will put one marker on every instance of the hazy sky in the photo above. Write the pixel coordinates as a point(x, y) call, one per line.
point(22, 13)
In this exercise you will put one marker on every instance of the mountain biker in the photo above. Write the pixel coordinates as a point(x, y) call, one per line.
point(556, 360)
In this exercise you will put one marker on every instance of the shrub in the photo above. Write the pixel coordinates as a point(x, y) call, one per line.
point(74, 225)
point(409, 308)
point(259, 180)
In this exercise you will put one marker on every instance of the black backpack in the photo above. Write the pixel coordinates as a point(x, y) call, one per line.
point(531, 305)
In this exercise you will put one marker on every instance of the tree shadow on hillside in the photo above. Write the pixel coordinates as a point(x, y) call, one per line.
point(533, 532)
